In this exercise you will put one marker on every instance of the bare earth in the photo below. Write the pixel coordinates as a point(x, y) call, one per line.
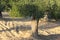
point(22, 30)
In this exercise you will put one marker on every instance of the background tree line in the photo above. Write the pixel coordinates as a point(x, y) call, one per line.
point(14, 7)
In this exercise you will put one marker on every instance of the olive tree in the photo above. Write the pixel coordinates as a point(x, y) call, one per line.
point(32, 10)
point(52, 9)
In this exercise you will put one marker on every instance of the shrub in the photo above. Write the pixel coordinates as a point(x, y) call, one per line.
point(14, 12)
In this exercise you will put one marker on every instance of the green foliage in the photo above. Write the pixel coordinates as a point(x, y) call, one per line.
point(14, 12)
point(31, 10)
point(20, 4)
point(52, 5)
point(53, 10)
point(2, 4)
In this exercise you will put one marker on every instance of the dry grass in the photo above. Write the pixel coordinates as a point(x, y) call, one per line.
point(13, 35)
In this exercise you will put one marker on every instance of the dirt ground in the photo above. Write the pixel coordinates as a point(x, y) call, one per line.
point(22, 30)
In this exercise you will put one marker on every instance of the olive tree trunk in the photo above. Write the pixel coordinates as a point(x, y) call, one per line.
point(35, 27)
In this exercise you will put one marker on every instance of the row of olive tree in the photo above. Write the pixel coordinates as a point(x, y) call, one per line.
point(14, 7)
point(50, 5)
point(35, 8)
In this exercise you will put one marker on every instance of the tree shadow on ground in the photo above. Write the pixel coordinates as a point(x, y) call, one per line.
point(43, 37)
point(17, 19)
point(50, 25)
point(17, 28)
point(48, 37)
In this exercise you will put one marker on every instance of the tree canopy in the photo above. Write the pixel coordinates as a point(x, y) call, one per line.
point(52, 5)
